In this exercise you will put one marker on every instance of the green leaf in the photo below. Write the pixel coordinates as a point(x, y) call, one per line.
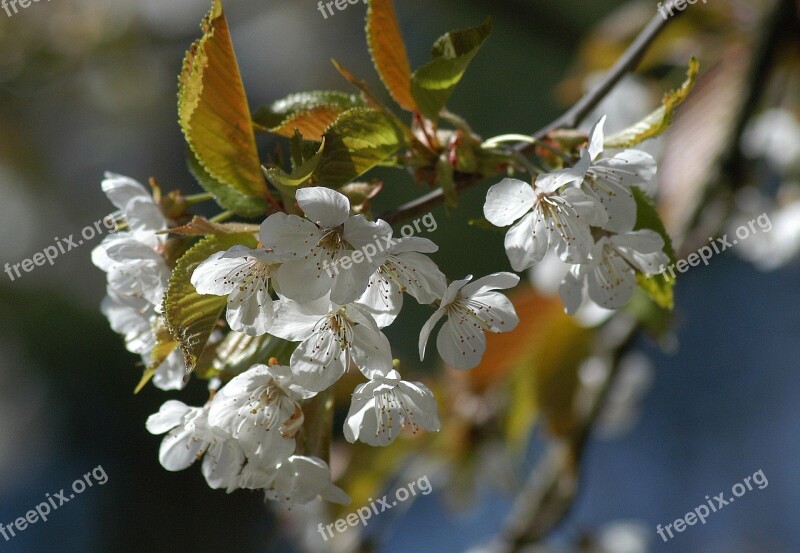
point(200, 226)
point(360, 139)
point(226, 196)
point(659, 120)
point(190, 316)
point(304, 168)
point(433, 83)
point(310, 113)
point(659, 287)
point(165, 345)
point(388, 52)
point(215, 117)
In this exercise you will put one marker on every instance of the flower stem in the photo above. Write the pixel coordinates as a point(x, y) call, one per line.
point(195, 199)
point(220, 217)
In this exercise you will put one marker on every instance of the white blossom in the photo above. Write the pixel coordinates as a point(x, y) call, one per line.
point(471, 309)
point(609, 180)
point(550, 215)
point(190, 437)
point(609, 277)
point(297, 481)
point(331, 336)
point(314, 250)
point(243, 275)
point(405, 268)
point(381, 408)
point(259, 408)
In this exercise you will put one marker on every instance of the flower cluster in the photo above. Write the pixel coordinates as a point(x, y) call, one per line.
point(586, 215)
point(137, 275)
point(284, 290)
point(246, 433)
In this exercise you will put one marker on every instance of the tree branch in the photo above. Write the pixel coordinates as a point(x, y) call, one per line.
point(548, 495)
point(626, 63)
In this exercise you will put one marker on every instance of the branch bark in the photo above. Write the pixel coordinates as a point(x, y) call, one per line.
point(570, 119)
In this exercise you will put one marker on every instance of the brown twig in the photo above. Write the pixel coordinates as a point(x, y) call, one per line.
point(626, 63)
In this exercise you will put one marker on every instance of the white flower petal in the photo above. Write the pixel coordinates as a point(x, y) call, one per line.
point(461, 343)
point(324, 206)
point(643, 249)
point(179, 450)
point(300, 480)
point(134, 320)
point(425, 333)
point(495, 310)
point(421, 404)
point(349, 284)
point(371, 351)
point(412, 244)
point(171, 373)
point(144, 218)
point(494, 281)
point(612, 282)
point(218, 275)
point(250, 310)
point(420, 276)
point(382, 299)
point(289, 235)
point(451, 293)
point(121, 189)
point(507, 201)
point(524, 247)
point(596, 137)
point(222, 464)
point(170, 415)
point(304, 280)
point(294, 321)
point(619, 204)
point(317, 361)
point(630, 167)
point(359, 232)
point(571, 291)
point(551, 182)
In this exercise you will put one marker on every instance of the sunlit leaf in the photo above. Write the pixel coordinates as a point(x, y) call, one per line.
point(310, 113)
point(191, 317)
point(389, 52)
point(360, 139)
point(433, 83)
point(659, 120)
point(215, 117)
point(302, 173)
point(165, 345)
point(200, 226)
point(226, 196)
